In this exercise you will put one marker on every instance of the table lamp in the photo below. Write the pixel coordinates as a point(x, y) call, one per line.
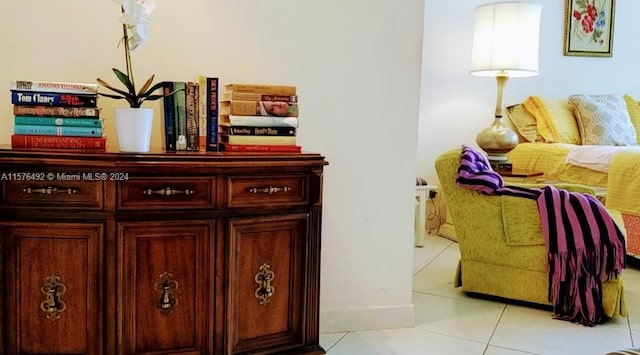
point(505, 44)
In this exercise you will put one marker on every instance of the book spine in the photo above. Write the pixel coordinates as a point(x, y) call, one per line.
point(261, 131)
point(180, 114)
point(58, 130)
point(262, 89)
point(245, 148)
point(51, 86)
point(53, 99)
point(19, 110)
point(57, 121)
point(55, 142)
point(260, 140)
point(212, 113)
point(247, 96)
point(191, 104)
point(259, 108)
point(258, 121)
point(168, 105)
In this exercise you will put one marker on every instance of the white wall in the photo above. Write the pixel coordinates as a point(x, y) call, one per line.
point(356, 64)
point(454, 106)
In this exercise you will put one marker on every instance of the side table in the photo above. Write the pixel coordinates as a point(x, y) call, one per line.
point(420, 224)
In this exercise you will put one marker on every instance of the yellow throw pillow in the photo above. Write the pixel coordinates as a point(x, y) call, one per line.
point(524, 123)
point(633, 106)
point(554, 119)
point(603, 120)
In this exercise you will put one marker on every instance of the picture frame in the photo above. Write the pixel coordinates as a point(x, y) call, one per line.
point(588, 30)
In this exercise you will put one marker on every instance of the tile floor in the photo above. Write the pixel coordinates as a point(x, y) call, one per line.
point(448, 322)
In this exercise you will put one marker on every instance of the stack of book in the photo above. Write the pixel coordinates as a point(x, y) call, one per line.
point(258, 118)
point(56, 115)
point(181, 115)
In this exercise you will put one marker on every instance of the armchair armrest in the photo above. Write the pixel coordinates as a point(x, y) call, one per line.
point(571, 187)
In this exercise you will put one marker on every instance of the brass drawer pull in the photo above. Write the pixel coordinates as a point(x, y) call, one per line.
point(167, 191)
point(269, 190)
point(263, 278)
point(50, 190)
point(53, 289)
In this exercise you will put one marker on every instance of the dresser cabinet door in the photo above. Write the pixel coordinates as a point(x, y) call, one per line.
point(165, 288)
point(266, 290)
point(52, 292)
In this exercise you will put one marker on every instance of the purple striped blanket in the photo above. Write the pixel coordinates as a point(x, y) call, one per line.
point(584, 244)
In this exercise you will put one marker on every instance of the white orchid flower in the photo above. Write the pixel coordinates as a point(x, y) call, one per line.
point(136, 15)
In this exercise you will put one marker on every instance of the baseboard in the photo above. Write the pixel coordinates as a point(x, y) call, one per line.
point(373, 318)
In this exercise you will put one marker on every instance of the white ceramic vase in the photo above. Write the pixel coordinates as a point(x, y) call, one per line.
point(133, 128)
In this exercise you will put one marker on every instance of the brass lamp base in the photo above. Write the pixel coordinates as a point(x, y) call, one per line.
point(497, 140)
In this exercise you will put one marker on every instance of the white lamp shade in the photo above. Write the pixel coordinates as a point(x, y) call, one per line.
point(506, 38)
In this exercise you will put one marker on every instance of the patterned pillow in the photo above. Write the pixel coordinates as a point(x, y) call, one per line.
point(603, 120)
point(475, 173)
point(633, 106)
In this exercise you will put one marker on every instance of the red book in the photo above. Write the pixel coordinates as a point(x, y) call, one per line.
point(257, 148)
point(57, 142)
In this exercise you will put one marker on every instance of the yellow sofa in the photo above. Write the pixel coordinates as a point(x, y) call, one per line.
point(502, 248)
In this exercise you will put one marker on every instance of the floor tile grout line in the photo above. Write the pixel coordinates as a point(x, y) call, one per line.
point(433, 259)
point(448, 335)
point(495, 327)
point(337, 341)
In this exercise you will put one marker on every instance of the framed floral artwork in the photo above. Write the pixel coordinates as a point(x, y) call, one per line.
point(588, 29)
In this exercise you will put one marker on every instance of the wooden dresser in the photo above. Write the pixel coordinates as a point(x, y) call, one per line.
point(159, 253)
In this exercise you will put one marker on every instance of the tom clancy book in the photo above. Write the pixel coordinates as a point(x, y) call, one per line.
point(55, 111)
point(52, 86)
point(33, 98)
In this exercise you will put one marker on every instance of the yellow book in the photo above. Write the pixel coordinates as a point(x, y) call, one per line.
point(261, 140)
point(261, 89)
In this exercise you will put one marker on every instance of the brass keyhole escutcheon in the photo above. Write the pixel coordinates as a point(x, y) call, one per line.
point(263, 278)
point(166, 288)
point(53, 305)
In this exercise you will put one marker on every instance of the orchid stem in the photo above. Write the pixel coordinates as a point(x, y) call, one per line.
point(127, 52)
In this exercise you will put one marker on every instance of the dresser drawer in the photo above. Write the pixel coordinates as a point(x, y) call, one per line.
point(166, 193)
point(267, 190)
point(55, 194)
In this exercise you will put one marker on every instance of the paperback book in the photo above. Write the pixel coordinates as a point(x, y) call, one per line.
point(259, 140)
point(259, 108)
point(248, 96)
point(57, 142)
point(168, 106)
point(271, 89)
point(257, 148)
point(192, 102)
point(58, 130)
point(258, 121)
point(260, 131)
point(39, 110)
point(58, 121)
point(209, 112)
point(52, 86)
point(34, 98)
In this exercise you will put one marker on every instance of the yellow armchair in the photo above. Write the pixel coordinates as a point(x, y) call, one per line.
point(502, 247)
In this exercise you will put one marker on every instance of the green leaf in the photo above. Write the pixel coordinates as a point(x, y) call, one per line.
point(124, 79)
